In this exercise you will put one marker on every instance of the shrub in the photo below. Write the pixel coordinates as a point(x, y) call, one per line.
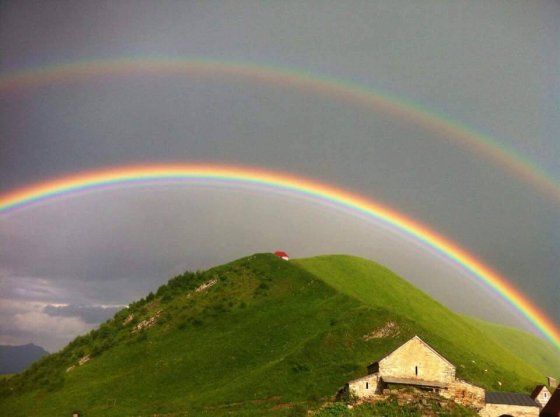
point(167, 297)
point(334, 410)
point(298, 410)
point(197, 322)
point(300, 367)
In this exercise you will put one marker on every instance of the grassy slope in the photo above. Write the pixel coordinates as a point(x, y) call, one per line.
point(286, 338)
point(461, 340)
point(268, 333)
point(543, 356)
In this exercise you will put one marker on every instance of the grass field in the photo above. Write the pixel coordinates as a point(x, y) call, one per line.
point(269, 337)
point(543, 356)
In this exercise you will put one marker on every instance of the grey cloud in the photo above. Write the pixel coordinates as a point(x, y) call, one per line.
point(17, 287)
point(25, 322)
point(91, 314)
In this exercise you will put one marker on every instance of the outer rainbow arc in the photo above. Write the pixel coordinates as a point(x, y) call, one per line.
point(340, 90)
point(480, 271)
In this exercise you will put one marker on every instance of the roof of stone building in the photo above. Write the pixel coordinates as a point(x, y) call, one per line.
point(413, 381)
point(510, 398)
point(412, 338)
point(552, 408)
point(363, 378)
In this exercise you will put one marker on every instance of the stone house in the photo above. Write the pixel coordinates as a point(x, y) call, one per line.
point(365, 387)
point(541, 395)
point(417, 364)
point(509, 404)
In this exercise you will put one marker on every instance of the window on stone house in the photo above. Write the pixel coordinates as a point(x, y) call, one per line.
point(416, 370)
point(367, 385)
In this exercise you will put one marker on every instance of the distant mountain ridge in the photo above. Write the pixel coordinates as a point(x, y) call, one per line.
point(262, 336)
point(14, 359)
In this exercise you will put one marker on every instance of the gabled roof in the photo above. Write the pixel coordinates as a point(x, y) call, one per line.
point(408, 341)
point(510, 398)
point(415, 382)
point(552, 408)
point(538, 389)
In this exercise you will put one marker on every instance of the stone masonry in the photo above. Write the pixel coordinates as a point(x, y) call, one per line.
point(497, 410)
point(415, 360)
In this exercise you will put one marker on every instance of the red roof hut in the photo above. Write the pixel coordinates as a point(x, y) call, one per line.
point(282, 254)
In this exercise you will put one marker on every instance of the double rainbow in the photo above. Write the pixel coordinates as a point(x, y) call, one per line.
point(238, 176)
point(345, 91)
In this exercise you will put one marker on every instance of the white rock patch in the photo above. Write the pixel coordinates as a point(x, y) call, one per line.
point(389, 329)
point(149, 322)
point(206, 285)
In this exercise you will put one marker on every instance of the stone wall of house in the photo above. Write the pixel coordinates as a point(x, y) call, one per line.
point(415, 360)
point(543, 397)
point(465, 394)
point(365, 387)
point(497, 410)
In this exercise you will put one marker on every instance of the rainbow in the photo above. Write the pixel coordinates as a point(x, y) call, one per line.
point(352, 93)
point(90, 181)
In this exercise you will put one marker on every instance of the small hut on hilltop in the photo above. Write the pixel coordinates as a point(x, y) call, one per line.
point(283, 255)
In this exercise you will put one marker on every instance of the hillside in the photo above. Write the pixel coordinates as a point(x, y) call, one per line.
point(471, 344)
point(543, 356)
point(258, 336)
point(17, 358)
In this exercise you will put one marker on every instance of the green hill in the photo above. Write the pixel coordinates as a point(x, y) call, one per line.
point(258, 336)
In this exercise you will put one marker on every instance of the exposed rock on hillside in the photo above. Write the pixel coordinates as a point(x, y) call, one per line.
point(389, 329)
point(144, 324)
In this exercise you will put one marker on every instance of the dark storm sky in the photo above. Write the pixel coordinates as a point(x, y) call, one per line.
point(492, 66)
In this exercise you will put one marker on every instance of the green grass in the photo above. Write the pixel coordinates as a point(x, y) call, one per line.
point(543, 356)
point(269, 338)
point(479, 358)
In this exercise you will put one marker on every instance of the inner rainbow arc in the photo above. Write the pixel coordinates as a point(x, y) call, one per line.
point(73, 184)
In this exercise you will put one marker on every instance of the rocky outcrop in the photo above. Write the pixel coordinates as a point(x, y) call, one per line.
point(128, 319)
point(389, 329)
point(83, 360)
point(206, 285)
point(149, 322)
